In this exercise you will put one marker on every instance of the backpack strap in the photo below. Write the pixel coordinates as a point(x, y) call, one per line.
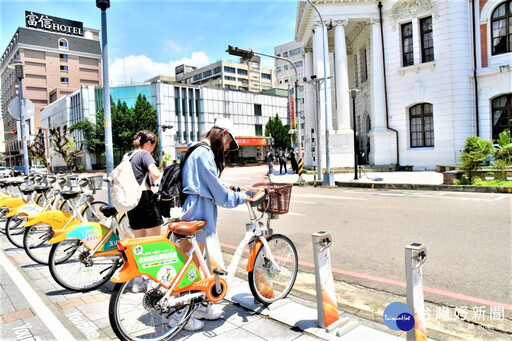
point(190, 150)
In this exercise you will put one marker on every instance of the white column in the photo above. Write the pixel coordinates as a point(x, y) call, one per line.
point(377, 79)
point(342, 85)
point(318, 67)
point(309, 106)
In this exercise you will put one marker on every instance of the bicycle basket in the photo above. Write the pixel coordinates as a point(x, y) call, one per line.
point(95, 182)
point(278, 202)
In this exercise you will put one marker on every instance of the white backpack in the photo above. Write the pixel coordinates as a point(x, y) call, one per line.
point(125, 190)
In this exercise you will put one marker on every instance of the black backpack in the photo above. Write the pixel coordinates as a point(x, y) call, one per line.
point(170, 193)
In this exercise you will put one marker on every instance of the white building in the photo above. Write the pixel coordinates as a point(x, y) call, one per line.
point(285, 76)
point(245, 76)
point(190, 109)
point(426, 80)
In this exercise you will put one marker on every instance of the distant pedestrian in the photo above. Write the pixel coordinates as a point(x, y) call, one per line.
point(270, 161)
point(293, 161)
point(282, 161)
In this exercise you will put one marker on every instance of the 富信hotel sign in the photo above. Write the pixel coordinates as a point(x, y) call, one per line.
point(53, 24)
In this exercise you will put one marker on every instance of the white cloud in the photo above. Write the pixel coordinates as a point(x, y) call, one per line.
point(140, 68)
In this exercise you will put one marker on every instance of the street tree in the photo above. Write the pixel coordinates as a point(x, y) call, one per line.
point(475, 151)
point(279, 132)
point(64, 144)
point(37, 149)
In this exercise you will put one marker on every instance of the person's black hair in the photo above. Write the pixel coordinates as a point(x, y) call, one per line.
point(217, 145)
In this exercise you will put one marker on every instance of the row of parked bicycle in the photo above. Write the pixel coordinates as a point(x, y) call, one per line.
point(85, 243)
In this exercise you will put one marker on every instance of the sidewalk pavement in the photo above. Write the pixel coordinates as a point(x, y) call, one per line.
point(34, 307)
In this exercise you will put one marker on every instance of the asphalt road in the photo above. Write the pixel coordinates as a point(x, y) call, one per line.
point(467, 235)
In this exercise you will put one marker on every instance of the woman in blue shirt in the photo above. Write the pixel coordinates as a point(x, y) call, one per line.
point(200, 176)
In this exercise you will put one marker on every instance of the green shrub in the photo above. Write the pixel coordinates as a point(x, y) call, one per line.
point(476, 150)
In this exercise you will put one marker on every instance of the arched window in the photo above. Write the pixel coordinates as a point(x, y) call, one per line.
point(501, 114)
point(421, 121)
point(63, 44)
point(501, 28)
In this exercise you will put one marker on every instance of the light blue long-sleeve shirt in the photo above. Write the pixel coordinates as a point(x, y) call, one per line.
point(206, 192)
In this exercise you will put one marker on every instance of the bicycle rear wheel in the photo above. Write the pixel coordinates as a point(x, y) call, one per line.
point(72, 267)
point(3, 212)
point(14, 229)
point(137, 316)
point(268, 283)
point(35, 242)
point(92, 213)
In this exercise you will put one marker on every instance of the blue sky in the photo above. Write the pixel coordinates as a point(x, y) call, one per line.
point(152, 37)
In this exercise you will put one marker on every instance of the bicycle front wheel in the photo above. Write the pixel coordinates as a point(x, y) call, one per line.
point(139, 316)
point(91, 212)
point(14, 229)
point(74, 269)
point(35, 243)
point(268, 282)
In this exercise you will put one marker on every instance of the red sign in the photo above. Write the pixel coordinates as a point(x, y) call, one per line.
point(251, 141)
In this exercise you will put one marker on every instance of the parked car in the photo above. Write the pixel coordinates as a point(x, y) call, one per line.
point(38, 169)
point(5, 172)
point(18, 170)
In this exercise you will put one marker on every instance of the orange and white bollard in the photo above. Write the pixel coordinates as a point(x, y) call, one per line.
point(415, 256)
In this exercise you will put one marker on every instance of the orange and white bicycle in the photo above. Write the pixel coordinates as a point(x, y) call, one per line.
point(177, 285)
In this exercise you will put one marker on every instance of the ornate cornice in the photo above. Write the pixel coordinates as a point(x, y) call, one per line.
point(340, 22)
point(408, 9)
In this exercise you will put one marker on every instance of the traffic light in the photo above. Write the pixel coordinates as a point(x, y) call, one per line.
point(13, 132)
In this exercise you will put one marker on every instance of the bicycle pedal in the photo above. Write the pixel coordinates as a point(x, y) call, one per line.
point(220, 272)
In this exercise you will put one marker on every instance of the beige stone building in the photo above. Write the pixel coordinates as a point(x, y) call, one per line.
point(58, 57)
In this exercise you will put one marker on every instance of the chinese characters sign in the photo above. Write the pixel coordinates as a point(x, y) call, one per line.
point(53, 24)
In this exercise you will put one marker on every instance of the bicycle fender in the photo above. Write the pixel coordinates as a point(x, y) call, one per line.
point(12, 212)
point(27, 209)
point(126, 273)
point(56, 219)
point(252, 256)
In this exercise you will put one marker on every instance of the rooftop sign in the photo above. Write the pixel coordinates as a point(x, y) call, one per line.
point(53, 24)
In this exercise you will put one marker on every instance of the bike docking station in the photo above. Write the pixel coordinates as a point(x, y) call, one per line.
point(327, 309)
point(415, 256)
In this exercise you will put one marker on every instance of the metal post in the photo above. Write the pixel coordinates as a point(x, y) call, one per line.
point(24, 137)
point(328, 176)
point(355, 139)
point(317, 144)
point(109, 151)
point(415, 256)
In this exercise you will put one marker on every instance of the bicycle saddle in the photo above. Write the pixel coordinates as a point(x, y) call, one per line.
point(108, 210)
point(27, 190)
point(70, 194)
point(42, 188)
point(16, 182)
point(186, 228)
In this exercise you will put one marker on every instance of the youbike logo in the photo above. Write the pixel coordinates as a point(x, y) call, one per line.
point(398, 316)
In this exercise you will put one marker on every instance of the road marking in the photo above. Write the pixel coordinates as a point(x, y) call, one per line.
point(321, 196)
point(303, 202)
point(49, 319)
point(433, 195)
point(372, 278)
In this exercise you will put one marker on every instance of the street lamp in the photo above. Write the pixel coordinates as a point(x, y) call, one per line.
point(328, 176)
point(248, 54)
point(353, 93)
point(17, 65)
point(109, 151)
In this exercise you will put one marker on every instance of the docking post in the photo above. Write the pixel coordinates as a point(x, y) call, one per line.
point(415, 256)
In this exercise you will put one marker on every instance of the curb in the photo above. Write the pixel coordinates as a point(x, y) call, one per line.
point(423, 187)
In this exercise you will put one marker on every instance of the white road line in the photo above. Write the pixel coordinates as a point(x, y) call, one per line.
point(321, 196)
point(433, 195)
point(244, 209)
point(303, 202)
point(54, 325)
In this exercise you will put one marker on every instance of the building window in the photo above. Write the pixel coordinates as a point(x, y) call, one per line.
point(407, 47)
point(278, 69)
point(285, 54)
point(64, 80)
point(241, 72)
point(363, 65)
point(64, 68)
point(207, 73)
point(197, 77)
point(285, 67)
point(63, 57)
point(299, 63)
point(295, 51)
point(258, 130)
point(266, 76)
point(229, 69)
point(501, 29)
point(257, 110)
point(63, 44)
point(501, 115)
point(217, 70)
point(427, 40)
point(421, 120)
point(229, 78)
